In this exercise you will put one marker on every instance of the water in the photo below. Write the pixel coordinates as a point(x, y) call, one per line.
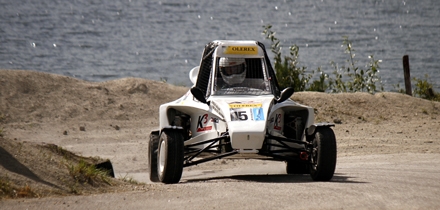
point(100, 40)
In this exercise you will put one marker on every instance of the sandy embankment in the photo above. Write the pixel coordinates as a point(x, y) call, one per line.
point(116, 117)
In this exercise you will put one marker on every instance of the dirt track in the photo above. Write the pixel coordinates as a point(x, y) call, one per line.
point(388, 149)
point(408, 181)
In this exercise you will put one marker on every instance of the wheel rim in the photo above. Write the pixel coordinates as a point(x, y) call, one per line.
point(315, 156)
point(162, 156)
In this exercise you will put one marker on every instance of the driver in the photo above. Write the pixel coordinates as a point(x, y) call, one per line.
point(232, 70)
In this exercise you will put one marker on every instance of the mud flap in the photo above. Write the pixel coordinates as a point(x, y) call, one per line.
point(106, 166)
point(311, 130)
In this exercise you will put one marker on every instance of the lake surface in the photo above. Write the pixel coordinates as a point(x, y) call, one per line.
point(100, 40)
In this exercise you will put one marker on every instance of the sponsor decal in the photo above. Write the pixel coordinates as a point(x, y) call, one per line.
point(241, 50)
point(247, 111)
point(258, 114)
point(202, 123)
point(217, 109)
point(234, 106)
point(277, 122)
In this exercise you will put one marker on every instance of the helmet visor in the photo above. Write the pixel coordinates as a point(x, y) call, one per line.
point(230, 70)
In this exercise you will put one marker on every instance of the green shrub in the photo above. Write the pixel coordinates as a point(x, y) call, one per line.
point(320, 85)
point(398, 89)
point(423, 89)
point(349, 78)
point(287, 70)
point(352, 78)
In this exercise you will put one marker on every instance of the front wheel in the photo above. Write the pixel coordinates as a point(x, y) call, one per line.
point(170, 156)
point(323, 155)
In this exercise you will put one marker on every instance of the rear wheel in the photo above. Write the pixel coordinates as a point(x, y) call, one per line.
point(323, 157)
point(170, 156)
point(152, 156)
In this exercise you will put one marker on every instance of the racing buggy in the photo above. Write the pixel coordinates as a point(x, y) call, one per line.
point(235, 109)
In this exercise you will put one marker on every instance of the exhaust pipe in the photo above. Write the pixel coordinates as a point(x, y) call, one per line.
point(304, 156)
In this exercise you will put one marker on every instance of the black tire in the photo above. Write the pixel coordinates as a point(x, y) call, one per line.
point(152, 156)
point(296, 167)
point(170, 156)
point(323, 157)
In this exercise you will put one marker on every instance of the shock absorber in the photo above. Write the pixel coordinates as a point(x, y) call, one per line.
point(299, 128)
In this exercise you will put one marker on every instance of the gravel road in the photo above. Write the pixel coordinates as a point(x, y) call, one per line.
point(394, 181)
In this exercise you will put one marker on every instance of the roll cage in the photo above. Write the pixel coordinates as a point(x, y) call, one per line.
point(204, 78)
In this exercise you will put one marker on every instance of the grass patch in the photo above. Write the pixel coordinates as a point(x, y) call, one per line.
point(2, 117)
point(7, 190)
point(61, 151)
point(25, 192)
point(128, 179)
point(84, 172)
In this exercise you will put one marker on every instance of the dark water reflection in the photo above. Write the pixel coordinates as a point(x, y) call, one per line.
point(100, 40)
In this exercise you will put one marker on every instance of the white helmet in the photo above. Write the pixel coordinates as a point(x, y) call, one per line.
point(233, 70)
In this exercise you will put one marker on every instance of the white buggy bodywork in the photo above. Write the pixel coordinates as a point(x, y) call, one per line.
point(251, 120)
